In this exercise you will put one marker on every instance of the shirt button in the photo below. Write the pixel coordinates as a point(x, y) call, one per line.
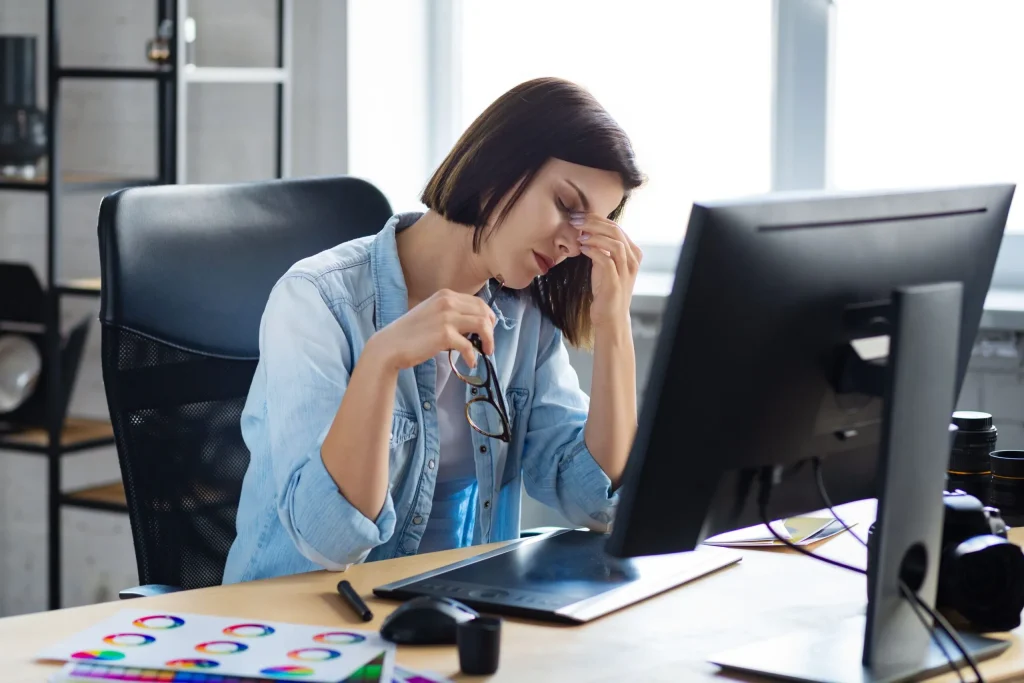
point(473, 391)
point(426, 405)
point(483, 449)
point(487, 504)
point(417, 520)
point(430, 464)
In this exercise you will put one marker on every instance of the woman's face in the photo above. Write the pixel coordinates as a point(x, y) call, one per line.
point(536, 235)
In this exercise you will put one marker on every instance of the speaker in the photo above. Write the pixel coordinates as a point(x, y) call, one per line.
point(22, 317)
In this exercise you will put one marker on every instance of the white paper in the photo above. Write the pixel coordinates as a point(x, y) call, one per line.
point(798, 530)
point(223, 645)
point(755, 534)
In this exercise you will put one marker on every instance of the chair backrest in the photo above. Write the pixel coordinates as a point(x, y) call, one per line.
point(186, 273)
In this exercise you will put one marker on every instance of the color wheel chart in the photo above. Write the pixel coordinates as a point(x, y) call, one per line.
point(371, 672)
point(100, 655)
point(208, 649)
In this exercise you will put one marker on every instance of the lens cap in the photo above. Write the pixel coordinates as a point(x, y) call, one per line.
point(972, 421)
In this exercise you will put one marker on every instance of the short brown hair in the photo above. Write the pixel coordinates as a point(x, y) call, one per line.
point(502, 151)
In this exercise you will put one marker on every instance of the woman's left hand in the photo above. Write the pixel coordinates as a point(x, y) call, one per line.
point(616, 262)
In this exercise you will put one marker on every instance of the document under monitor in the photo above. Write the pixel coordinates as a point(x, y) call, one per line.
point(800, 326)
point(828, 327)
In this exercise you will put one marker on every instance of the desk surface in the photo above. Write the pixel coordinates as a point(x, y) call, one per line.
point(665, 638)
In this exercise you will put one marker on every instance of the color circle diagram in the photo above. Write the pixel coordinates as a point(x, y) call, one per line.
point(339, 638)
point(159, 622)
point(314, 654)
point(221, 647)
point(248, 630)
point(287, 671)
point(129, 639)
point(99, 655)
point(193, 663)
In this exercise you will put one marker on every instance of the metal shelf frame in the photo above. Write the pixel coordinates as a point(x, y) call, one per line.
point(62, 437)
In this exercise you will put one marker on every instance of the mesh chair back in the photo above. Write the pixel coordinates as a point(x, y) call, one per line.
point(186, 273)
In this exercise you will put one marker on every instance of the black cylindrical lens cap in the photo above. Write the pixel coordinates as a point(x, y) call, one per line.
point(972, 420)
point(1007, 464)
point(479, 646)
point(975, 438)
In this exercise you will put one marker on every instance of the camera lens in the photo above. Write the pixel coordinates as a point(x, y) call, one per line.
point(1007, 488)
point(980, 581)
point(969, 466)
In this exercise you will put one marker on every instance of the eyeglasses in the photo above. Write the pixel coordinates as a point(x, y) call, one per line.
point(486, 386)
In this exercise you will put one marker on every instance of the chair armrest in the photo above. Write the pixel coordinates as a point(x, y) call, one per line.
point(538, 531)
point(147, 591)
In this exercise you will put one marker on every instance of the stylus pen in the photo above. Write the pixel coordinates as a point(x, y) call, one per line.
point(354, 601)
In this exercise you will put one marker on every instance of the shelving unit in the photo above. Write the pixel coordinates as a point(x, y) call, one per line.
point(172, 82)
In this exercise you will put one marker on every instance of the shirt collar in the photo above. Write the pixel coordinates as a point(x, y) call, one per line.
point(391, 293)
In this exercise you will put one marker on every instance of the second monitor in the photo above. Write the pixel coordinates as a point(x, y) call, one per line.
point(769, 292)
point(827, 330)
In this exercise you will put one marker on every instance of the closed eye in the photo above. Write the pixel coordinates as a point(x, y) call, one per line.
point(562, 207)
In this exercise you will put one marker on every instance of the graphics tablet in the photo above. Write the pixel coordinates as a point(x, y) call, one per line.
point(561, 576)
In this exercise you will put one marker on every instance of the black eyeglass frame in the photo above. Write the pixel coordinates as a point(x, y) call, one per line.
point(492, 394)
point(488, 383)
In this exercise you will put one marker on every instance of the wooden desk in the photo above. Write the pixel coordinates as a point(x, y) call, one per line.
point(666, 638)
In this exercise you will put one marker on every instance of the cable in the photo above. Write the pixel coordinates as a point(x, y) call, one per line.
point(804, 551)
point(915, 605)
point(951, 633)
point(828, 502)
point(762, 502)
point(913, 598)
point(909, 595)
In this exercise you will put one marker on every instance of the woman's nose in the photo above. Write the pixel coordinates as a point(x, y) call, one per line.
point(568, 242)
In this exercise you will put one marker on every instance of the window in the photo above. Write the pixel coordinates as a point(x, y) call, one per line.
point(927, 93)
point(689, 81)
point(387, 97)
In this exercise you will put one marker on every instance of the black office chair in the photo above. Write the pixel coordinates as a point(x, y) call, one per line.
point(186, 273)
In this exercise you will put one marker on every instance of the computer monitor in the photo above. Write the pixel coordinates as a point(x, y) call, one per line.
point(774, 351)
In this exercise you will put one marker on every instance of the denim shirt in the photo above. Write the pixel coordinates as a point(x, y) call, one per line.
point(292, 517)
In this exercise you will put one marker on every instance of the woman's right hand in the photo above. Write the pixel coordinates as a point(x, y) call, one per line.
point(438, 324)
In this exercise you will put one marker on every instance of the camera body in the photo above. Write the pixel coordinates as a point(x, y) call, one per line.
point(981, 573)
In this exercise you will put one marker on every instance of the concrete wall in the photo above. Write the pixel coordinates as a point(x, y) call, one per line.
point(111, 127)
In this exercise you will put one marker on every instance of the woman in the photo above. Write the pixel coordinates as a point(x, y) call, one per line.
point(365, 445)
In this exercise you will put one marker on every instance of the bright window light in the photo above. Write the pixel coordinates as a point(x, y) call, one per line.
point(387, 97)
point(928, 93)
point(689, 81)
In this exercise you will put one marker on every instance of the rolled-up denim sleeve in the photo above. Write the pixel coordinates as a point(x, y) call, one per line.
point(308, 361)
point(558, 468)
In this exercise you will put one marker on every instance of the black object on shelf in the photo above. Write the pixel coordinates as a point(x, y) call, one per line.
point(22, 123)
point(24, 316)
point(30, 155)
point(28, 136)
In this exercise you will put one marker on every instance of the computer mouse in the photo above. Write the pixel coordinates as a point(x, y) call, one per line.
point(426, 620)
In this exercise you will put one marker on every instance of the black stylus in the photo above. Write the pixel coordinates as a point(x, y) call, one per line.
point(354, 601)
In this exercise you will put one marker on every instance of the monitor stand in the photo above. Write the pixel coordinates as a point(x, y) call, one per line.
point(890, 643)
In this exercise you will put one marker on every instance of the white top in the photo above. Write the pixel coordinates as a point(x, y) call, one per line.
point(456, 445)
point(456, 471)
